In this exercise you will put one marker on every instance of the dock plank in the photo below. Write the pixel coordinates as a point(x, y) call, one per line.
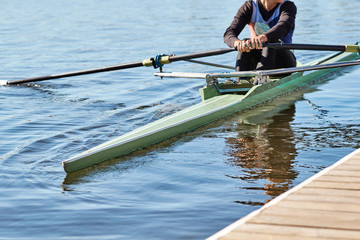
point(343, 179)
point(325, 192)
point(292, 231)
point(344, 172)
point(321, 205)
point(309, 218)
point(335, 185)
point(326, 206)
point(329, 198)
point(266, 236)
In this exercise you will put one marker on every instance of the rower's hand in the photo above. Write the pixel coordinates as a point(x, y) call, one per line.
point(242, 45)
point(257, 42)
point(250, 44)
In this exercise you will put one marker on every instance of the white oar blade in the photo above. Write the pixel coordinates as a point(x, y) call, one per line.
point(3, 82)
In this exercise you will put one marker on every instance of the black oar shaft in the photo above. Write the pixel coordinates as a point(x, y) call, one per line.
point(77, 73)
point(147, 62)
point(200, 54)
point(320, 47)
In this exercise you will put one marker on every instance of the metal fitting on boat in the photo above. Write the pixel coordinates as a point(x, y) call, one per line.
point(261, 79)
point(211, 80)
point(156, 62)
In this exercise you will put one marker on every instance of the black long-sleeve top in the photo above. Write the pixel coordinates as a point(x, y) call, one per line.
point(243, 16)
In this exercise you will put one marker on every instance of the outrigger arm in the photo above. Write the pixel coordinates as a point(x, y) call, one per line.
point(210, 77)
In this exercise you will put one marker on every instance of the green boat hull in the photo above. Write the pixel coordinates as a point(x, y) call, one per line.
point(213, 107)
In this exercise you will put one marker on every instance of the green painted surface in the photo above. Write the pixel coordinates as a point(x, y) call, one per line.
point(215, 107)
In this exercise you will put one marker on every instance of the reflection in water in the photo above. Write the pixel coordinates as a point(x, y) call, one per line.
point(265, 150)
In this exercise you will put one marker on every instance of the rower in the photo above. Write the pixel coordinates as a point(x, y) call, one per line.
point(269, 21)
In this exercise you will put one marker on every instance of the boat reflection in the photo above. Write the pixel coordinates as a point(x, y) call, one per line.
point(264, 150)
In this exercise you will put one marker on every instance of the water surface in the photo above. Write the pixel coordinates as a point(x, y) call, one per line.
point(188, 187)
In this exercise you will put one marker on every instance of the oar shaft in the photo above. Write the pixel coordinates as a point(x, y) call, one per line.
point(200, 54)
point(147, 62)
point(320, 47)
point(77, 73)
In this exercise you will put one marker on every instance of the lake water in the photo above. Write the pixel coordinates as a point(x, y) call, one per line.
point(187, 188)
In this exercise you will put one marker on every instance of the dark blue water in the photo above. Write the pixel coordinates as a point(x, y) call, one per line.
point(188, 187)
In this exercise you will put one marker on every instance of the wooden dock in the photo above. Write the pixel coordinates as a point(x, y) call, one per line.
point(326, 206)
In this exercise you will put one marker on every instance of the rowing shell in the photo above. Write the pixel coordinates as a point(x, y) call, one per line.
point(215, 105)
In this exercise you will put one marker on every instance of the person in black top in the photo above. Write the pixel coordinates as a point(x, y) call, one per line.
point(269, 21)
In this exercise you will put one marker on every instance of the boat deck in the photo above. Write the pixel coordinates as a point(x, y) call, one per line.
point(326, 206)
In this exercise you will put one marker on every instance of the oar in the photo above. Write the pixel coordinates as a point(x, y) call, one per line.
point(320, 47)
point(158, 61)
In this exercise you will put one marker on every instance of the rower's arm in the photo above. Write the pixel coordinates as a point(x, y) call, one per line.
point(241, 19)
point(285, 23)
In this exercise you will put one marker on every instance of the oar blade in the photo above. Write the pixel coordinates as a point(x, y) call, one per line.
point(3, 82)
